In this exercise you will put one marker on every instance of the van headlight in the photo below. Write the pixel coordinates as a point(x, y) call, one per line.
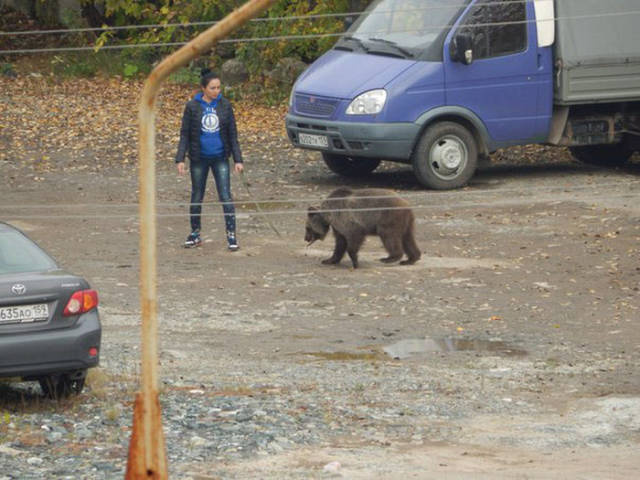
point(368, 103)
point(291, 97)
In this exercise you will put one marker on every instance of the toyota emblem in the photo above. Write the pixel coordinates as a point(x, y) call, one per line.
point(19, 289)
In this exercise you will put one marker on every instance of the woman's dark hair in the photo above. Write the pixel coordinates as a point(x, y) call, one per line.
point(206, 75)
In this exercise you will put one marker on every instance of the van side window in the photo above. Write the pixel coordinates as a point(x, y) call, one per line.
point(490, 22)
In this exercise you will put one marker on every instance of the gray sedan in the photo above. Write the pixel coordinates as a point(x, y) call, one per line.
point(49, 324)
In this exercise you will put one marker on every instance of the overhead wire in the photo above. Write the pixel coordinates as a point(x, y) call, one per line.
point(299, 36)
point(316, 200)
point(440, 206)
point(107, 28)
point(260, 19)
point(419, 194)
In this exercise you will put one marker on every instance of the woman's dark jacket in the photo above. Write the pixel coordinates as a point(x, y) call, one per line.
point(190, 131)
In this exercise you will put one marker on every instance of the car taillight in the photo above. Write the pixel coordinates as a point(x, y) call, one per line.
point(81, 302)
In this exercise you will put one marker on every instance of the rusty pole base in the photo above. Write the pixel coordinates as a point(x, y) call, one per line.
point(136, 468)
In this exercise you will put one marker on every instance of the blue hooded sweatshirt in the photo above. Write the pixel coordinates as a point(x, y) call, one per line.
point(210, 140)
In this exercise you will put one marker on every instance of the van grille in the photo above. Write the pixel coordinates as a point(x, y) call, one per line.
point(317, 107)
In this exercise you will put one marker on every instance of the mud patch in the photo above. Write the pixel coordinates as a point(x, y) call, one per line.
point(345, 356)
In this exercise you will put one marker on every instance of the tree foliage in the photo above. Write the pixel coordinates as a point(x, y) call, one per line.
point(315, 35)
point(311, 37)
point(162, 12)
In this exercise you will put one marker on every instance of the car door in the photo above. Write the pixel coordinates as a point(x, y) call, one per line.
point(500, 85)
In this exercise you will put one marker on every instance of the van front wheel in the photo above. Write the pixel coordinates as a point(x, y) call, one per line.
point(446, 156)
point(350, 166)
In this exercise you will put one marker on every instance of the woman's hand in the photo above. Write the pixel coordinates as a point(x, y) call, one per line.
point(238, 167)
point(181, 168)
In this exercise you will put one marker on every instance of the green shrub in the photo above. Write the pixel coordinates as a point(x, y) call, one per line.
point(74, 65)
point(263, 55)
point(258, 56)
point(7, 69)
point(185, 76)
point(130, 70)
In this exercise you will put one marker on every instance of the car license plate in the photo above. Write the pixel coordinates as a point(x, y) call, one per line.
point(313, 140)
point(24, 313)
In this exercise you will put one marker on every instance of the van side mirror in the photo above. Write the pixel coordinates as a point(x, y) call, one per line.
point(348, 21)
point(461, 48)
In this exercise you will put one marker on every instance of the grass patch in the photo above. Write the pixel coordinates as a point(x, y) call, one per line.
point(23, 398)
point(104, 63)
point(185, 76)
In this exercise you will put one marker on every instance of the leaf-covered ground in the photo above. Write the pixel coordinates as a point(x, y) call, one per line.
point(54, 124)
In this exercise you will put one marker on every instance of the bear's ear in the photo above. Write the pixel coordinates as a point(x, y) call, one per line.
point(312, 212)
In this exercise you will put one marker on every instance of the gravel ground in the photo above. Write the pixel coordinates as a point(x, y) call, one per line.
point(313, 404)
point(509, 351)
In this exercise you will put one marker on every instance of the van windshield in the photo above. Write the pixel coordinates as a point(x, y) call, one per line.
point(404, 28)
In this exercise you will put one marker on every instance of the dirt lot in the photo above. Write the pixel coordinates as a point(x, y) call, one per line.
point(510, 350)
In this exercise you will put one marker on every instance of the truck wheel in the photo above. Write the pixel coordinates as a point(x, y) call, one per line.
point(446, 156)
point(613, 155)
point(350, 166)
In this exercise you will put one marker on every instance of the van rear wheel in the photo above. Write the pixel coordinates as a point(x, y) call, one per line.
point(446, 156)
point(350, 166)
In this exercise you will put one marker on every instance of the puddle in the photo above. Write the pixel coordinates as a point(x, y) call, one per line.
point(416, 346)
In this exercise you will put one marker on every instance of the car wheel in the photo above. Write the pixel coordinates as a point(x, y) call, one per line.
point(61, 385)
point(446, 156)
point(605, 155)
point(350, 166)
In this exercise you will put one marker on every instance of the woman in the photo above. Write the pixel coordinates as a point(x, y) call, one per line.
point(209, 135)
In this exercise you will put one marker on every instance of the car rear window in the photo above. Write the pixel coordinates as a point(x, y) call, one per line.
point(19, 254)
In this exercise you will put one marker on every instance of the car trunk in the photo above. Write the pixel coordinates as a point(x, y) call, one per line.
point(35, 301)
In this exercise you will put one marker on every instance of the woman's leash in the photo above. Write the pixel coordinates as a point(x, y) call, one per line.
point(266, 218)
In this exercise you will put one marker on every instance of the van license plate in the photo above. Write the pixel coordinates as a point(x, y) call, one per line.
point(313, 140)
point(24, 313)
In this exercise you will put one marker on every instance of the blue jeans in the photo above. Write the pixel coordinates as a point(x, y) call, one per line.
point(199, 172)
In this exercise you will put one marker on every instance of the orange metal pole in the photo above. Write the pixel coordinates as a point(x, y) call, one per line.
point(147, 454)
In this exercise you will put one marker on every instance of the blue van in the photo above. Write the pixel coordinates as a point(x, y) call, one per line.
point(438, 84)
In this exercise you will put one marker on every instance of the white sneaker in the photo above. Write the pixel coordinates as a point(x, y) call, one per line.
point(193, 240)
point(233, 244)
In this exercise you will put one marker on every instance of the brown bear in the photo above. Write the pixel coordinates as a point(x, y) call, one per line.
point(354, 214)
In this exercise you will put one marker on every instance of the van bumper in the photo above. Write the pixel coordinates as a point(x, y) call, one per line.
point(387, 141)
